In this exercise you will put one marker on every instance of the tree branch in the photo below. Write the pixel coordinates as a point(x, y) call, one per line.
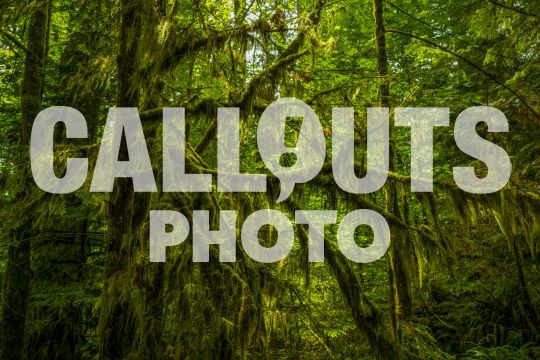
point(512, 8)
point(13, 39)
point(477, 67)
point(287, 56)
point(445, 32)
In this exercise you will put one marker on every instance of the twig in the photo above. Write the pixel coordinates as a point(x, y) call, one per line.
point(13, 39)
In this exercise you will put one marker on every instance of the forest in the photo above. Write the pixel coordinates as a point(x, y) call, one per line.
point(460, 277)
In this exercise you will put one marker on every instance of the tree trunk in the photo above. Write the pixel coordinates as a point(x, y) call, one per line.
point(18, 273)
point(400, 297)
point(57, 263)
point(116, 318)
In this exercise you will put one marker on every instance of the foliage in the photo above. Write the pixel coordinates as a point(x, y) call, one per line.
point(461, 278)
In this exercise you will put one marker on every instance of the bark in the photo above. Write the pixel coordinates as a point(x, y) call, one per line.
point(116, 321)
point(123, 331)
point(57, 259)
point(18, 273)
point(57, 262)
point(400, 297)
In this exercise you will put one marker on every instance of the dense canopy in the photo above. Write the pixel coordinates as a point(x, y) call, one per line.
point(460, 278)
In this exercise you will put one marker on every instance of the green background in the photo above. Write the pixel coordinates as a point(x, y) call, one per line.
point(460, 280)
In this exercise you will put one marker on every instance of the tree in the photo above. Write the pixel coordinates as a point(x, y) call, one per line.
point(459, 279)
point(18, 274)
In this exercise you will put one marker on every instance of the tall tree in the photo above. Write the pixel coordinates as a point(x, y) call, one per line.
point(116, 318)
point(18, 273)
point(399, 282)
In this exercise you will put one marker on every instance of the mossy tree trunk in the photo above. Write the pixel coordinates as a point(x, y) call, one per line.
point(116, 318)
point(58, 257)
point(18, 273)
point(57, 261)
point(399, 282)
